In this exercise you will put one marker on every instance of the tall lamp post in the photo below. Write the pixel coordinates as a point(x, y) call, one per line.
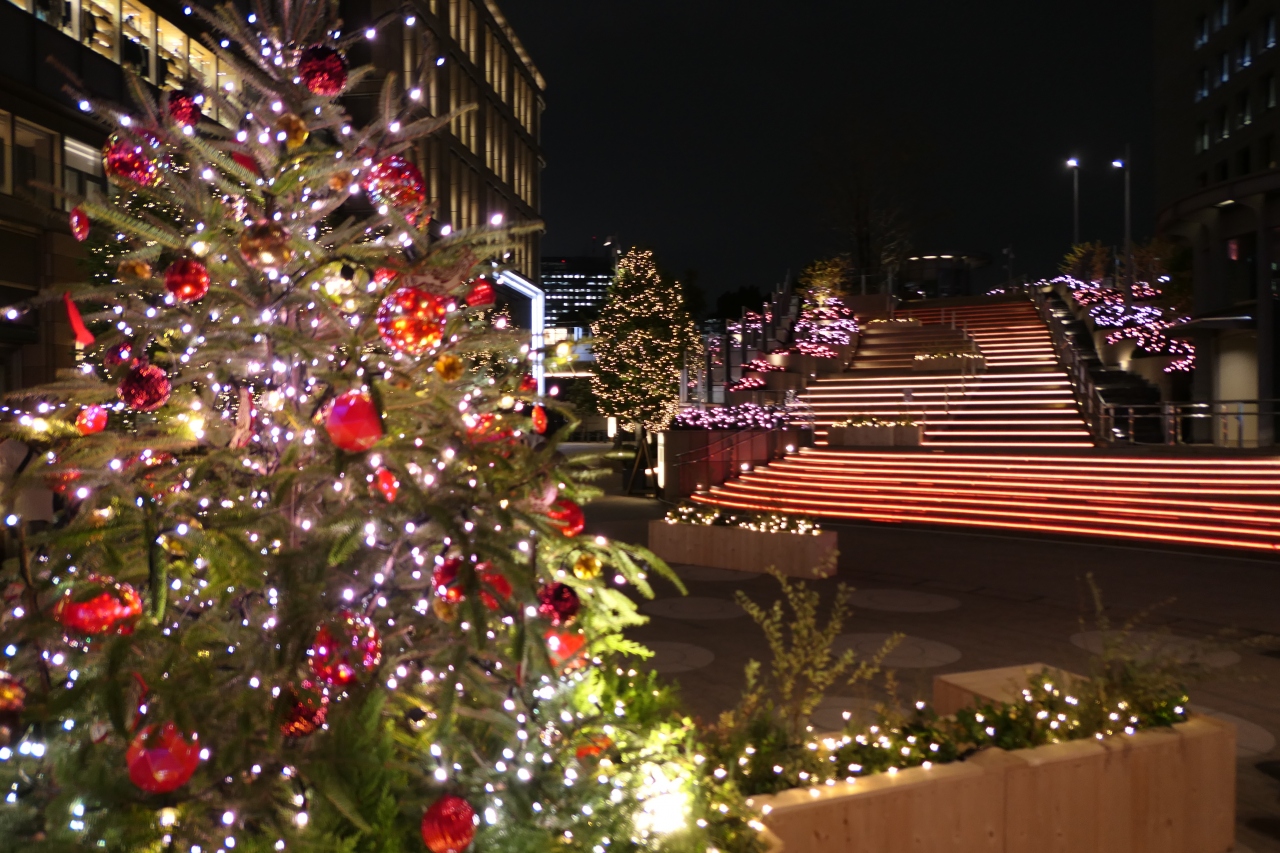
point(1074, 165)
point(1128, 226)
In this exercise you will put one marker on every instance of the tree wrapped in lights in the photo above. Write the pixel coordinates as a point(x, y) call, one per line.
point(308, 586)
point(642, 339)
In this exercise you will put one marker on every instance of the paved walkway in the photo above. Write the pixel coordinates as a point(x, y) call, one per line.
point(972, 601)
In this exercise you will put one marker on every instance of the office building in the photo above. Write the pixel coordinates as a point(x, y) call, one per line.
point(487, 162)
point(1217, 185)
point(575, 289)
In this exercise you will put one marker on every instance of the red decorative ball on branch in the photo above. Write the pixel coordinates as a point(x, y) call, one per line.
point(92, 419)
point(539, 419)
point(352, 422)
point(411, 320)
point(558, 603)
point(481, 293)
point(449, 825)
point(444, 580)
point(492, 579)
point(247, 162)
point(163, 761)
point(567, 516)
point(133, 161)
point(145, 388)
point(323, 71)
point(184, 108)
point(345, 647)
point(79, 221)
point(117, 354)
point(564, 648)
point(384, 480)
point(187, 279)
point(306, 707)
point(397, 184)
point(99, 605)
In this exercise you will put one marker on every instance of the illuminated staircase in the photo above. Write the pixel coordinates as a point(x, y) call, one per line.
point(1021, 400)
point(1216, 501)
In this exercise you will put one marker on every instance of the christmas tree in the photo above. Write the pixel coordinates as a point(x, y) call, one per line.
point(642, 340)
point(312, 582)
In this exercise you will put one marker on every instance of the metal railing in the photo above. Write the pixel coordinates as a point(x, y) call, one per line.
point(1092, 407)
point(1220, 423)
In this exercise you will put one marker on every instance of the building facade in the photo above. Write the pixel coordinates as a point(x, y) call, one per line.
point(1218, 189)
point(487, 162)
point(575, 289)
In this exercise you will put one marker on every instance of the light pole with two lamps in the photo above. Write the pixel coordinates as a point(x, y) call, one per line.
point(1074, 165)
point(1128, 226)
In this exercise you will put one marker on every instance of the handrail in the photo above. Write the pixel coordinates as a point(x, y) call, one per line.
point(1092, 405)
point(1125, 418)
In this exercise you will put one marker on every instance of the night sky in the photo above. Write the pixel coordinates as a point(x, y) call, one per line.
point(710, 130)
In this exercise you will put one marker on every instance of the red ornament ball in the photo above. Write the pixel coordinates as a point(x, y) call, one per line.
point(568, 516)
point(449, 825)
point(352, 422)
point(539, 420)
point(564, 647)
point(161, 762)
point(383, 276)
point(117, 354)
point(384, 480)
point(145, 388)
point(323, 71)
point(92, 419)
point(184, 108)
point(411, 320)
point(528, 384)
point(345, 647)
point(492, 579)
point(481, 293)
point(13, 696)
point(132, 161)
point(187, 279)
point(99, 605)
point(558, 603)
point(444, 580)
point(79, 221)
point(397, 183)
point(306, 707)
point(247, 162)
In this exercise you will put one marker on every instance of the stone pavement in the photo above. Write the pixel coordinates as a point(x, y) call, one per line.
point(969, 601)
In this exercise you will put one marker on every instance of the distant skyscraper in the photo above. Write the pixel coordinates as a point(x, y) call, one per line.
point(575, 289)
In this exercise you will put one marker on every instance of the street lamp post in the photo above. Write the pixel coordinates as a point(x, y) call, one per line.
point(1074, 165)
point(1128, 225)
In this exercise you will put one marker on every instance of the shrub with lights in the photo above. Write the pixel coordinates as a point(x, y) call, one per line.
point(642, 339)
point(309, 586)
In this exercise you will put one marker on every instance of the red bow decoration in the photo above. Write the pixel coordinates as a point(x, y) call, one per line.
point(83, 336)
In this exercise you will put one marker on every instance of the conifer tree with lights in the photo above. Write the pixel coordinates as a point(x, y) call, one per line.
point(310, 583)
point(642, 340)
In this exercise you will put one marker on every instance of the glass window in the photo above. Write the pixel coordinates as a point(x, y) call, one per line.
point(1224, 69)
point(1269, 33)
point(33, 161)
point(1201, 31)
point(1202, 137)
point(201, 67)
point(1245, 56)
point(81, 171)
point(1202, 85)
point(56, 13)
point(138, 24)
point(1269, 91)
point(1244, 110)
point(171, 55)
point(1222, 126)
point(100, 25)
point(1224, 14)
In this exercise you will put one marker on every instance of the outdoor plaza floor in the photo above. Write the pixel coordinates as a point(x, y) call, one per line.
point(969, 601)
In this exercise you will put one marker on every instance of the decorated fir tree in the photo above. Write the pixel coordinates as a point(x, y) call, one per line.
point(642, 340)
point(309, 585)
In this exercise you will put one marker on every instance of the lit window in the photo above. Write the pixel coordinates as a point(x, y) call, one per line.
point(1201, 31)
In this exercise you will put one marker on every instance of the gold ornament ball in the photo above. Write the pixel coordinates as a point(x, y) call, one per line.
point(265, 245)
point(445, 610)
point(133, 268)
point(294, 129)
point(449, 367)
point(339, 181)
point(587, 567)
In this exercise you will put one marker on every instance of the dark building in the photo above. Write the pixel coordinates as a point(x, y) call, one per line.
point(575, 289)
point(487, 162)
point(1218, 188)
point(939, 276)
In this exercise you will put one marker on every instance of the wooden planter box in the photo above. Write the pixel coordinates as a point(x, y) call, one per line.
point(876, 436)
point(783, 381)
point(1159, 790)
point(971, 364)
point(904, 323)
point(793, 554)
